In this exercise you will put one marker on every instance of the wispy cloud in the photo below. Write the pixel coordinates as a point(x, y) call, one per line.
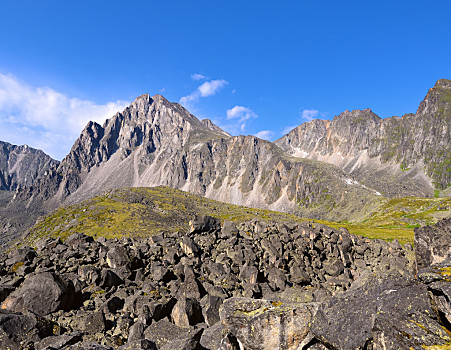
point(237, 119)
point(241, 113)
point(44, 118)
point(209, 88)
point(265, 134)
point(309, 114)
point(198, 76)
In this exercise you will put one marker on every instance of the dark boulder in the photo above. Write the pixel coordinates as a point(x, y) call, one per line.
point(109, 279)
point(187, 312)
point(59, 341)
point(17, 329)
point(348, 321)
point(204, 223)
point(42, 293)
point(433, 243)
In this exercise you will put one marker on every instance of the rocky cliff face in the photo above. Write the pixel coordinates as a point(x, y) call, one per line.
point(397, 156)
point(21, 165)
point(155, 142)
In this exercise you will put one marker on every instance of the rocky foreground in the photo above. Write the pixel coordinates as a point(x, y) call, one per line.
point(251, 286)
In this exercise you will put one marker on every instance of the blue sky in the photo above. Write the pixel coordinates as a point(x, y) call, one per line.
point(253, 67)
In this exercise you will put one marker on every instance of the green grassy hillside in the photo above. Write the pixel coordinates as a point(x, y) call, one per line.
point(141, 212)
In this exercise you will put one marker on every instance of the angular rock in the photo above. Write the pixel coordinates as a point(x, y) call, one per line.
point(109, 279)
point(432, 243)
point(187, 312)
point(18, 328)
point(263, 324)
point(163, 331)
point(204, 224)
point(42, 294)
point(59, 341)
point(346, 321)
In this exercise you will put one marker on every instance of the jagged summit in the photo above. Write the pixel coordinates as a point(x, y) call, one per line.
point(443, 84)
point(21, 165)
point(414, 150)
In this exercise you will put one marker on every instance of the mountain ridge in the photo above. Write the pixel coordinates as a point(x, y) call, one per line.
point(332, 170)
point(361, 142)
point(21, 165)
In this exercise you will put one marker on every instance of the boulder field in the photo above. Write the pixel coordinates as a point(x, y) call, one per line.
point(252, 286)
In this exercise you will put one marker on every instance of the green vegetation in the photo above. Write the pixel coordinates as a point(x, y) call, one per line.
point(142, 212)
point(397, 218)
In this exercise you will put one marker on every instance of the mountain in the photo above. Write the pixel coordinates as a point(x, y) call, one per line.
point(335, 170)
point(396, 156)
point(21, 165)
point(155, 142)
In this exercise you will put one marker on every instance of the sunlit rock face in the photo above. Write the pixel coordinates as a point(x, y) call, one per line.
point(397, 156)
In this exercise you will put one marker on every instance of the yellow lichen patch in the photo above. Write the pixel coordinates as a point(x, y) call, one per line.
point(276, 303)
point(445, 271)
point(446, 346)
point(16, 266)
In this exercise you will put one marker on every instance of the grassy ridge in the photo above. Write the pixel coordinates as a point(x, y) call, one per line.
point(398, 217)
point(141, 212)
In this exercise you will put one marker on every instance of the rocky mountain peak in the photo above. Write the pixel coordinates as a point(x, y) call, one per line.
point(443, 84)
point(415, 148)
point(21, 165)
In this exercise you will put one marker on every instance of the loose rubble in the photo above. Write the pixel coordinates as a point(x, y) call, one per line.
point(251, 286)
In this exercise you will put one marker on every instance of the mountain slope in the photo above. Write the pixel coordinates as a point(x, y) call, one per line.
point(397, 156)
point(21, 165)
point(155, 142)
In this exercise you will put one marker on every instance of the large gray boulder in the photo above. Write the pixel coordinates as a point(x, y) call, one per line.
point(263, 324)
point(433, 243)
point(42, 293)
point(389, 309)
point(17, 329)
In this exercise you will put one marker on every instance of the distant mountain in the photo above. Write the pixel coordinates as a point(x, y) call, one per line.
point(155, 142)
point(355, 160)
point(397, 156)
point(22, 165)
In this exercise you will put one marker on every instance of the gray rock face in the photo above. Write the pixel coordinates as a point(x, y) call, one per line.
point(17, 329)
point(383, 305)
point(433, 243)
point(42, 294)
point(263, 324)
point(22, 165)
point(414, 149)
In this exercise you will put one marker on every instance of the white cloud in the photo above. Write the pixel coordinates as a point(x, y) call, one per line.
point(197, 76)
point(44, 118)
point(265, 134)
point(241, 113)
point(309, 114)
point(209, 88)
